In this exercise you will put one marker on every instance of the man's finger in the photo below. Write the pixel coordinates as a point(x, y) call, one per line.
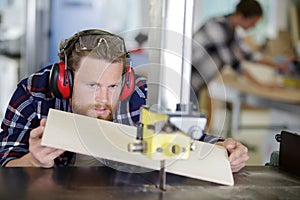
point(47, 155)
point(37, 132)
point(43, 122)
point(240, 152)
point(55, 154)
point(237, 159)
point(230, 144)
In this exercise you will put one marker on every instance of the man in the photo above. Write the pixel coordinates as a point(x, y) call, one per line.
point(90, 83)
point(216, 44)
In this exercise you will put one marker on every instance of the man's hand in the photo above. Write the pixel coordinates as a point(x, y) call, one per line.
point(260, 84)
point(238, 153)
point(41, 156)
point(284, 66)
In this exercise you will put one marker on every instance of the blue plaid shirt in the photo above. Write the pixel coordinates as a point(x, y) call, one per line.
point(31, 102)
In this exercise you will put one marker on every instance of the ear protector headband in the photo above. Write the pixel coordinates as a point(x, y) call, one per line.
point(61, 77)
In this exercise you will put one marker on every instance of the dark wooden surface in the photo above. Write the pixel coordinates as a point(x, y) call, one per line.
point(253, 182)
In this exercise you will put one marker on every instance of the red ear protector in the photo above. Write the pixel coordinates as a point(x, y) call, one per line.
point(61, 81)
point(128, 81)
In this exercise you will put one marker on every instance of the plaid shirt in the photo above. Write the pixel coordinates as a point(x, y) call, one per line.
point(32, 101)
point(215, 44)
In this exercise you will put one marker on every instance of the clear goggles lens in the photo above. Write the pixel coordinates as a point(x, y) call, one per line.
point(105, 42)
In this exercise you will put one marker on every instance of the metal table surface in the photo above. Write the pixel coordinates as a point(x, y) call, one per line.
point(253, 182)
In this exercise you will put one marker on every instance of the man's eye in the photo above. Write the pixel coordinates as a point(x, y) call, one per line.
point(113, 87)
point(92, 85)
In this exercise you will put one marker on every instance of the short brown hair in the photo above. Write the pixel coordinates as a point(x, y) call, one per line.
point(249, 8)
point(101, 44)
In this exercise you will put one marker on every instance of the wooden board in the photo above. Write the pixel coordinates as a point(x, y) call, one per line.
point(265, 75)
point(108, 140)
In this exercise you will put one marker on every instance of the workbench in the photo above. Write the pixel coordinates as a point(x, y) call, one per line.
point(237, 90)
point(252, 182)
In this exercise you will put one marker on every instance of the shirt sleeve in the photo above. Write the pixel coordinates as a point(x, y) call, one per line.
point(28, 105)
point(210, 138)
point(19, 119)
point(220, 42)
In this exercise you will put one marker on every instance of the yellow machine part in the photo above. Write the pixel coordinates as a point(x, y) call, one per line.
point(162, 145)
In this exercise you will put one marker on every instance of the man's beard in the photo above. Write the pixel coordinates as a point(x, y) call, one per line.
point(89, 110)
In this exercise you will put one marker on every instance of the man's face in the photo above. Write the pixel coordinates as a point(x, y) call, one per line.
point(250, 22)
point(97, 87)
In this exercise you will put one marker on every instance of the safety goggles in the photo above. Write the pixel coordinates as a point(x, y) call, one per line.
point(90, 40)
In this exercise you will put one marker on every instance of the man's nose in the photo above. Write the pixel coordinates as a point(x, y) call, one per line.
point(101, 95)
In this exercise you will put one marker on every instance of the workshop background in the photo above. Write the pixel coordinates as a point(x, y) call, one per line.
point(30, 31)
